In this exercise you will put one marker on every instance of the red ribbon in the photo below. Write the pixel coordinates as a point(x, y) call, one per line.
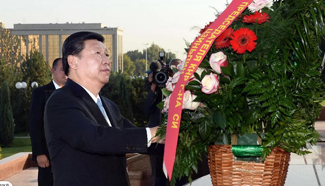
point(196, 54)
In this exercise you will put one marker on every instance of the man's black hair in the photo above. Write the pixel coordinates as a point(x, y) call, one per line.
point(75, 43)
point(55, 62)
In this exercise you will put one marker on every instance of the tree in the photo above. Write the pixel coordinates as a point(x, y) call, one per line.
point(125, 99)
point(129, 66)
point(10, 47)
point(6, 71)
point(153, 52)
point(135, 54)
point(33, 68)
point(6, 119)
point(138, 97)
point(140, 65)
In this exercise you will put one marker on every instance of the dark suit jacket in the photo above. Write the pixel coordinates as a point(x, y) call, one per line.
point(151, 109)
point(36, 119)
point(84, 150)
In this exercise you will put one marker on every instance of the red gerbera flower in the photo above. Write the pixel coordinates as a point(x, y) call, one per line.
point(257, 17)
point(242, 40)
point(223, 40)
point(206, 27)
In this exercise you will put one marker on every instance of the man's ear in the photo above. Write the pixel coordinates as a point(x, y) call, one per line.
point(72, 61)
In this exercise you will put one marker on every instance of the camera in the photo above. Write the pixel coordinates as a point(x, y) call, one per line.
point(160, 71)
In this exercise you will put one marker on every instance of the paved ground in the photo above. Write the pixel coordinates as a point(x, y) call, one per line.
point(308, 170)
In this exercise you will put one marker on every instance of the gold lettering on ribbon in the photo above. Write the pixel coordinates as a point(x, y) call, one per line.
point(242, 6)
point(235, 13)
point(179, 99)
point(175, 121)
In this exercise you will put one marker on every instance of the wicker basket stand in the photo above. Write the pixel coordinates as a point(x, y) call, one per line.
point(225, 171)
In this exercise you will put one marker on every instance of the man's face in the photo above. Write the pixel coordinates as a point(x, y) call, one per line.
point(94, 65)
point(58, 74)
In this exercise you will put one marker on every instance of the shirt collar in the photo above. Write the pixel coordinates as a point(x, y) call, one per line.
point(55, 84)
point(91, 94)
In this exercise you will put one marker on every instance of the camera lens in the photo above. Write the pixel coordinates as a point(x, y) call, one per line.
point(161, 77)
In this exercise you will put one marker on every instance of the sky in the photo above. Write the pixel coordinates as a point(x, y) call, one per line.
point(167, 23)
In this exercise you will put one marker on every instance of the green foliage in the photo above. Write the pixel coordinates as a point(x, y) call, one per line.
point(33, 68)
point(10, 47)
point(6, 120)
point(128, 65)
point(125, 99)
point(138, 98)
point(5, 70)
point(135, 54)
point(274, 91)
point(140, 67)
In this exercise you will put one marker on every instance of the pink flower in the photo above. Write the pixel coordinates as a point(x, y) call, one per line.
point(166, 104)
point(210, 83)
point(188, 102)
point(169, 85)
point(176, 77)
point(181, 66)
point(218, 60)
point(258, 5)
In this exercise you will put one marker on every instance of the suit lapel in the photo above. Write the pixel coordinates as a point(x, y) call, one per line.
point(49, 90)
point(91, 105)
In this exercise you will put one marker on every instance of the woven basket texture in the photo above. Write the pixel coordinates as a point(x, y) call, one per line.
point(225, 170)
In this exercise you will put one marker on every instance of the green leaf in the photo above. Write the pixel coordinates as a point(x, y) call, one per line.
point(197, 117)
point(220, 120)
point(205, 129)
point(165, 92)
point(226, 71)
point(193, 87)
point(224, 80)
point(241, 71)
point(205, 64)
point(194, 83)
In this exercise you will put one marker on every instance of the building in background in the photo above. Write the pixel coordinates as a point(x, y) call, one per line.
point(48, 39)
point(2, 25)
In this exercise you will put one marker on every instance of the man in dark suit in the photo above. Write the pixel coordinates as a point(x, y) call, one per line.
point(87, 142)
point(39, 97)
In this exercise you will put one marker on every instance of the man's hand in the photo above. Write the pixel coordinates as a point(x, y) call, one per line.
point(153, 85)
point(43, 161)
point(154, 138)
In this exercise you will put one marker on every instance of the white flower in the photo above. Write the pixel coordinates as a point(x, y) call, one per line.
point(176, 77)
point(181, 66)
point(258, 5)
point(210, 83)
point(218, 60)
point(166, 104)
point(188, 102)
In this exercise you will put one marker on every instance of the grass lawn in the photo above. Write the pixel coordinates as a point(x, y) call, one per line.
point(18, 145)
